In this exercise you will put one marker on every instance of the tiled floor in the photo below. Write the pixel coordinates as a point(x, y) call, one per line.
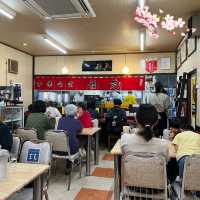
point(98, 186)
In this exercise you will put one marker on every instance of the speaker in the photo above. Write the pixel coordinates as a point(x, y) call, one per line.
point(194, 24)
point(12, 66)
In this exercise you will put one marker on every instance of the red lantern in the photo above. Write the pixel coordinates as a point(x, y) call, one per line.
point(151, 66)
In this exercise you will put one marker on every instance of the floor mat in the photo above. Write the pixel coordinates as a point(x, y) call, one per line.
point(91, 194)
point(103, 172)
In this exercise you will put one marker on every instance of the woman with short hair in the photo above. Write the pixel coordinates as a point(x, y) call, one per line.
point(72, 126)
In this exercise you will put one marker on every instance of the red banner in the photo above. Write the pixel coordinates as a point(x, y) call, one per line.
point(89, 83)
point(151, 66)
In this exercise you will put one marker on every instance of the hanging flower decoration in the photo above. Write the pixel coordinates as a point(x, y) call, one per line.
point(169, 23)
point(147, 19)
point(151, 21)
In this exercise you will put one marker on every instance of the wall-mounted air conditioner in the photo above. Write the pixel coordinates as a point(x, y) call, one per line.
point(61, 9)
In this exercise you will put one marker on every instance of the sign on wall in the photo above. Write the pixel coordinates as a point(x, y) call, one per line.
point(89, 83)
point(151, 66)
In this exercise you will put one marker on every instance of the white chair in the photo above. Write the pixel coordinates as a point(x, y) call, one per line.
point(15, 147)
point(191, 178)
point(144, 177)
point(61, 150)
point(37, 153)
point(26, 134)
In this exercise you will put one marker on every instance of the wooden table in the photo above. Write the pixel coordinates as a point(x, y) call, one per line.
point(89, 133)
point(20, 175)
point(117, 152)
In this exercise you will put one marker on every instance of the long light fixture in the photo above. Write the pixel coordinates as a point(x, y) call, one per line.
point(142, 40)
point(6, 11)
point(54, 44)
point(141, 3)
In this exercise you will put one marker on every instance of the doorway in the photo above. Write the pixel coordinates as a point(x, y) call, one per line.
point(192, 97)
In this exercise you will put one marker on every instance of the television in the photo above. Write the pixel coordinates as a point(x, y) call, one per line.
point(98, 65)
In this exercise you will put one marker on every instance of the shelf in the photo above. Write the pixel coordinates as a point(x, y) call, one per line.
point(11, 120)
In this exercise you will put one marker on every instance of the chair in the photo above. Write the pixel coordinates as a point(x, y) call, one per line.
point(37, 153)
point(144, 177)
point(112, 139)
point(61, 150)
point(15, 147)
point(191, 178)
point(26, 134)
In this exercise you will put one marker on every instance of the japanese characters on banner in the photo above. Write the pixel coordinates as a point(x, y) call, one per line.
point(89, 83)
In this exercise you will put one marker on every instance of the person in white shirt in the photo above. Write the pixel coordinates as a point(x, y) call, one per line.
point(161, 101)
point(52, 111)
point(78, 97)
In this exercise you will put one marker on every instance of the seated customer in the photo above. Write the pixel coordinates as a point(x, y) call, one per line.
point(72, 126)
point(28, 112)
point(174, 129)
point(84, 116)
point(52, 111)
point(116, 118)
point(39, 121)
point(143, 141)
point(186, 144)
point(6, 138)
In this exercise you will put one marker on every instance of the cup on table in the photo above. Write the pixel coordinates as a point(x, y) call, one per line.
point(4, 155)
point(126, 129)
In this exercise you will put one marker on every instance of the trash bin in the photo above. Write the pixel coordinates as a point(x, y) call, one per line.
point(4, 155)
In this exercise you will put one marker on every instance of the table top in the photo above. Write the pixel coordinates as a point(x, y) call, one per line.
point(90, 131)
point(19, 175)
point(116, 150)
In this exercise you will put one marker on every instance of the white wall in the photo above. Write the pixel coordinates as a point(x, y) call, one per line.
point(51, 65)
point(24, 75)
point(193, 62)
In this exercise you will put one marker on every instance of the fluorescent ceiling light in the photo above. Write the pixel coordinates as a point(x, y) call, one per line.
point(141, 3)
point(6, 11)
point(53, 44)
point(142, 39)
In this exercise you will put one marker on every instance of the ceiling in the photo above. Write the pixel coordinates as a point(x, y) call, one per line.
point(112, 31)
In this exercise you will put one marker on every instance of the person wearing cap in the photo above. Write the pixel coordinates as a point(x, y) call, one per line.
point(72, 126)
point(116, 118)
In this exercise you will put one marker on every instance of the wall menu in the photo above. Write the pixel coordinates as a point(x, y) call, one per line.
point(89, 82)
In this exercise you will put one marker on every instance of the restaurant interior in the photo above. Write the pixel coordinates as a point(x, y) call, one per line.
point(99, 99)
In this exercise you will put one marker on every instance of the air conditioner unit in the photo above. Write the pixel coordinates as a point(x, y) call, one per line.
point(61, 9)
point(12, 66)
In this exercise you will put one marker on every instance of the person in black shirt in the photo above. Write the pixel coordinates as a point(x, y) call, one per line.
point(6, 139)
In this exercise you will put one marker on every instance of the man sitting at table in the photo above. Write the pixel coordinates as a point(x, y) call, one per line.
point(186, 144)
point(39, 120)
point(72, 126)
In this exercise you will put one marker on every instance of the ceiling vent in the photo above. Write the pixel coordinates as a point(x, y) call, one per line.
point(62, 9)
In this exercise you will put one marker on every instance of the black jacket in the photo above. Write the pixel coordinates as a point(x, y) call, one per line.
point(6, 139)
